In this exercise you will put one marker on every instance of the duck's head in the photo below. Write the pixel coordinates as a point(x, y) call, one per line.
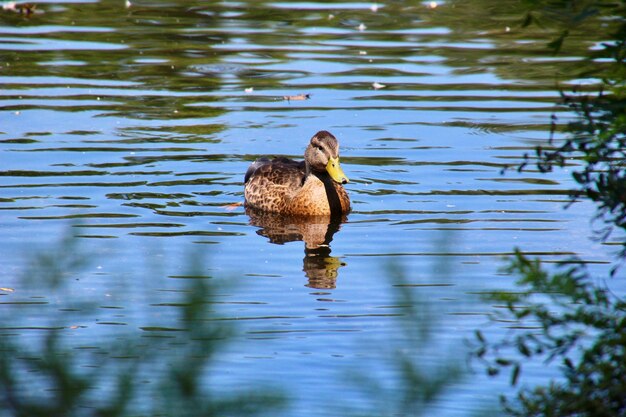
point(322, 155)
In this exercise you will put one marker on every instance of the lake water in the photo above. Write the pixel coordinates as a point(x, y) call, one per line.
point(131, 125)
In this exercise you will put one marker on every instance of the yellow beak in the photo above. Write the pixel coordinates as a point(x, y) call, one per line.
point(335, 171)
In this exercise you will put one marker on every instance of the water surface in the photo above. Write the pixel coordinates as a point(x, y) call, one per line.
point(132, 125)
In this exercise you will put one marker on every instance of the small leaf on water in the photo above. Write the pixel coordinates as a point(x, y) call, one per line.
point(515, 374)
point(523, 349)
point(528, 19)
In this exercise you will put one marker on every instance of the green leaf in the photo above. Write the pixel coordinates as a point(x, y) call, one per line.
point(515, 374)
point(557, 44)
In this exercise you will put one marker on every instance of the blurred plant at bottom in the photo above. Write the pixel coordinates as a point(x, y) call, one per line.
point(579, 324)
point(567, 315)
point(44, 374)
point(154, 371)
point(418, 365)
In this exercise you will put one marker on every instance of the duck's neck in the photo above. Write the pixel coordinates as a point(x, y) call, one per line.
point(329, 186)
point(331, 193)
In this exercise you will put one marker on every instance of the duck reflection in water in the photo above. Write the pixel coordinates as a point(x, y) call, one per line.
point(320, 268)
point(291, 200)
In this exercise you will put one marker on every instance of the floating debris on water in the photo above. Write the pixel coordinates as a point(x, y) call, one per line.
point(26, 9)
point(233, 206)
point(297, 97)
point(378, 86)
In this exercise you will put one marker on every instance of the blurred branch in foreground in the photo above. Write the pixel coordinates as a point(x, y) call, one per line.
point(43, 373)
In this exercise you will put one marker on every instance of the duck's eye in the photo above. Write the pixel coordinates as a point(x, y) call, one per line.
point(319, 148)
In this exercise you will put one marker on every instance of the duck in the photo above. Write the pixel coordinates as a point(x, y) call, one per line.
point(313, 187)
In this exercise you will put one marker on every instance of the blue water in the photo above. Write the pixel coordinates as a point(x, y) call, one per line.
point(130, 128)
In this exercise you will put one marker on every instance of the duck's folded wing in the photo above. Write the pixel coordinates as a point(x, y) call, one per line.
point(254, 167)
point(280, 171)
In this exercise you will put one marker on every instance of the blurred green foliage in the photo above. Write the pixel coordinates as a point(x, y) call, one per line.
point(597, 137)
point(571, 318)
point(400, 382)
point(45, 374)
point(134, 374)
point(578, 324)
